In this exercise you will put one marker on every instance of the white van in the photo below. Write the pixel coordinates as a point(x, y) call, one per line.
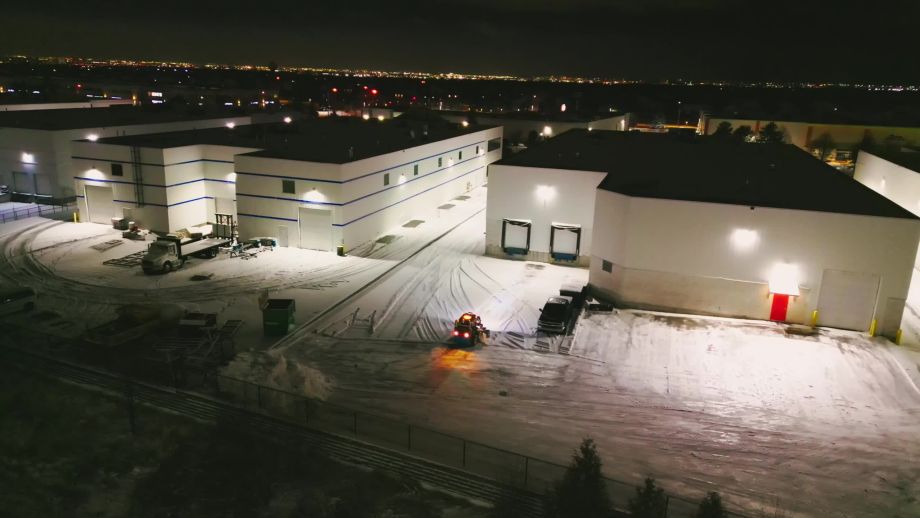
point(16, 299)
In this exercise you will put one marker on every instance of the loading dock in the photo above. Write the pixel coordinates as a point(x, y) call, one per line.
point(564, 241)
point(847, 299)
point(516, 236)
point(315, 228)
point(101, 204)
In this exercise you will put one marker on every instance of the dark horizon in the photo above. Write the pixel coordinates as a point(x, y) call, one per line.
point(649, 40)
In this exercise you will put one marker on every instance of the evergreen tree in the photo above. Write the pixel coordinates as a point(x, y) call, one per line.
point(581, 493)
point(711, 507)
point(649, 502)
point(741, 133)
point(724, 130)
point(823, 145)
point(771, 134)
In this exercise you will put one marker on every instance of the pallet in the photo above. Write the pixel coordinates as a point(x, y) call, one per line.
point(128, 261)
point(102, 247)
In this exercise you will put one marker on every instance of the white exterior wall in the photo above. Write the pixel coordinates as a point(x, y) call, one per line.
point(362, 207)
point(513, 195)
point(897, 183)
point(53, 149)
point(180, 184)
point(680, 256)
point(98, 103)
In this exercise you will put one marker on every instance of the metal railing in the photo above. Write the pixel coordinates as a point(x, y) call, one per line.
point(514, 469)
point(34, 210)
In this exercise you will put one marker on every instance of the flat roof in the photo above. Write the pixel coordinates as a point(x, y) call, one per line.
point(78, 118)
point(708, 170)
point(882, 120)
point(330, 139)
point(906, 159)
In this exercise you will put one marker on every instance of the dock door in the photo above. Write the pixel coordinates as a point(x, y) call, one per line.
point(315, 228)
point(564, 241)
point(516, 236)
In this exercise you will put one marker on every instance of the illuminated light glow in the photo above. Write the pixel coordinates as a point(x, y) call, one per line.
point(95, 174)
point(590, 128)
point(92, 137)
point(366, 116)
point(287, 120)
point(465, 124)
point(373, 91)
point(744, 239)
point(466, 335)
point(547, 131)
point(562, 108)
point(546, 192)
point(402, 178)
point(380, 118)
point(28, 158)
point(784, 279)
point(881, 184)
point(231, 124)
point(314, 195)
point(231, 177)
point(456, 333)
point(335, 90)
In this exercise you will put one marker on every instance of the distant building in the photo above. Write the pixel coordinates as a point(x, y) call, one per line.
point(834, 142)
point(524, 126)
point(708, 227)
point(893, 174)
point(35, 145)
point(311, 183)
point(98, 103)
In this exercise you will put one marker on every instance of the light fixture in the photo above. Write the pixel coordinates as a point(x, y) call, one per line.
point(287, 120)
point(380, 118)
point(465, 124)
point(562, 108)
point(744, 239)
point(547, 131)
point(366, 116)
point(545, 192)
point(28, 158)
point(231, 125)
point(231, 177)
point(784, 279)
point(92, 137)
point(314, 195)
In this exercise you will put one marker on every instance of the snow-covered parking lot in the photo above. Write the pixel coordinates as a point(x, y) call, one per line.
point(823, 425)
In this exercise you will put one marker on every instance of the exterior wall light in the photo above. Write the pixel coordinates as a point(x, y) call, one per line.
point(28, 158)
point(547, 131)
point(465, 124)
point(92, 137)
point(784, 279)
point(545, 193)
point(366, 116)
point(231, 125)
point(287, 120)
point(744, 239)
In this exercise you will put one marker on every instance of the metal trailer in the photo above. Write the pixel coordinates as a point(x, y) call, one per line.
point(169, 253)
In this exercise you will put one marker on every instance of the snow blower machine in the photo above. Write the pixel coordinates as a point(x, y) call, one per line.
point(468, 331)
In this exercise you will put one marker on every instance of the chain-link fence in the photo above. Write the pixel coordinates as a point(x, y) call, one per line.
point(497, 464)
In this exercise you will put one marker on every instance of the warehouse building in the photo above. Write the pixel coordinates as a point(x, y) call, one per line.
point(895, 175)
point(35, 145)
point(707, 227)
point(310, 183)
point(529, 126)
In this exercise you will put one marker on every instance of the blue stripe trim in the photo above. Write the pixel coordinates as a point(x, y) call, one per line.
point(160, 204)
point(409, 198)
point(152, 165)
point(368, 214)
point(289, 177)
point(290, 199)
point(376, 172)
point(154, 185)
point(264, 217)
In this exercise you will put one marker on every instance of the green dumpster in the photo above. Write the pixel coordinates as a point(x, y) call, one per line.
point(278, 316)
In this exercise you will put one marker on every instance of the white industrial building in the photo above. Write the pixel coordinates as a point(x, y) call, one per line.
point(521, 126)
point(692, 225)
point(311, 183)
point(35, 145)
point(894, 175)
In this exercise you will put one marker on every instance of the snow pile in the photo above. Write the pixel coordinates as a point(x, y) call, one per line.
point(274, 369)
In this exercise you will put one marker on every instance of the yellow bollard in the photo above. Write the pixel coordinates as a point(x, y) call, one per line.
point(897, 337)
point(872, 327)
point(814, 318)
point(75, 218)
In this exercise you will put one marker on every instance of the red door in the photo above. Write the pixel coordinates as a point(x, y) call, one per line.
point(780, 305)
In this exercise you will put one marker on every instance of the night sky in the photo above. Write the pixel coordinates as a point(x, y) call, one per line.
point(642, 39)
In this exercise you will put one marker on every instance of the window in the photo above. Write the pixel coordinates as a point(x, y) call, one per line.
point(287, 186)
point(607, 266)
point(460, 155)
point(494, 144)
point(477, 150)
point(415, 170)
point(117, 170)
point(440, 161)
point(386, 178)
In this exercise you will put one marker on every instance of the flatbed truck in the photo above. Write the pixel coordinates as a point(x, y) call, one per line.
point(168, 253)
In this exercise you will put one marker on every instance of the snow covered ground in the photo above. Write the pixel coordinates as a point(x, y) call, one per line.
point(827, 425)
